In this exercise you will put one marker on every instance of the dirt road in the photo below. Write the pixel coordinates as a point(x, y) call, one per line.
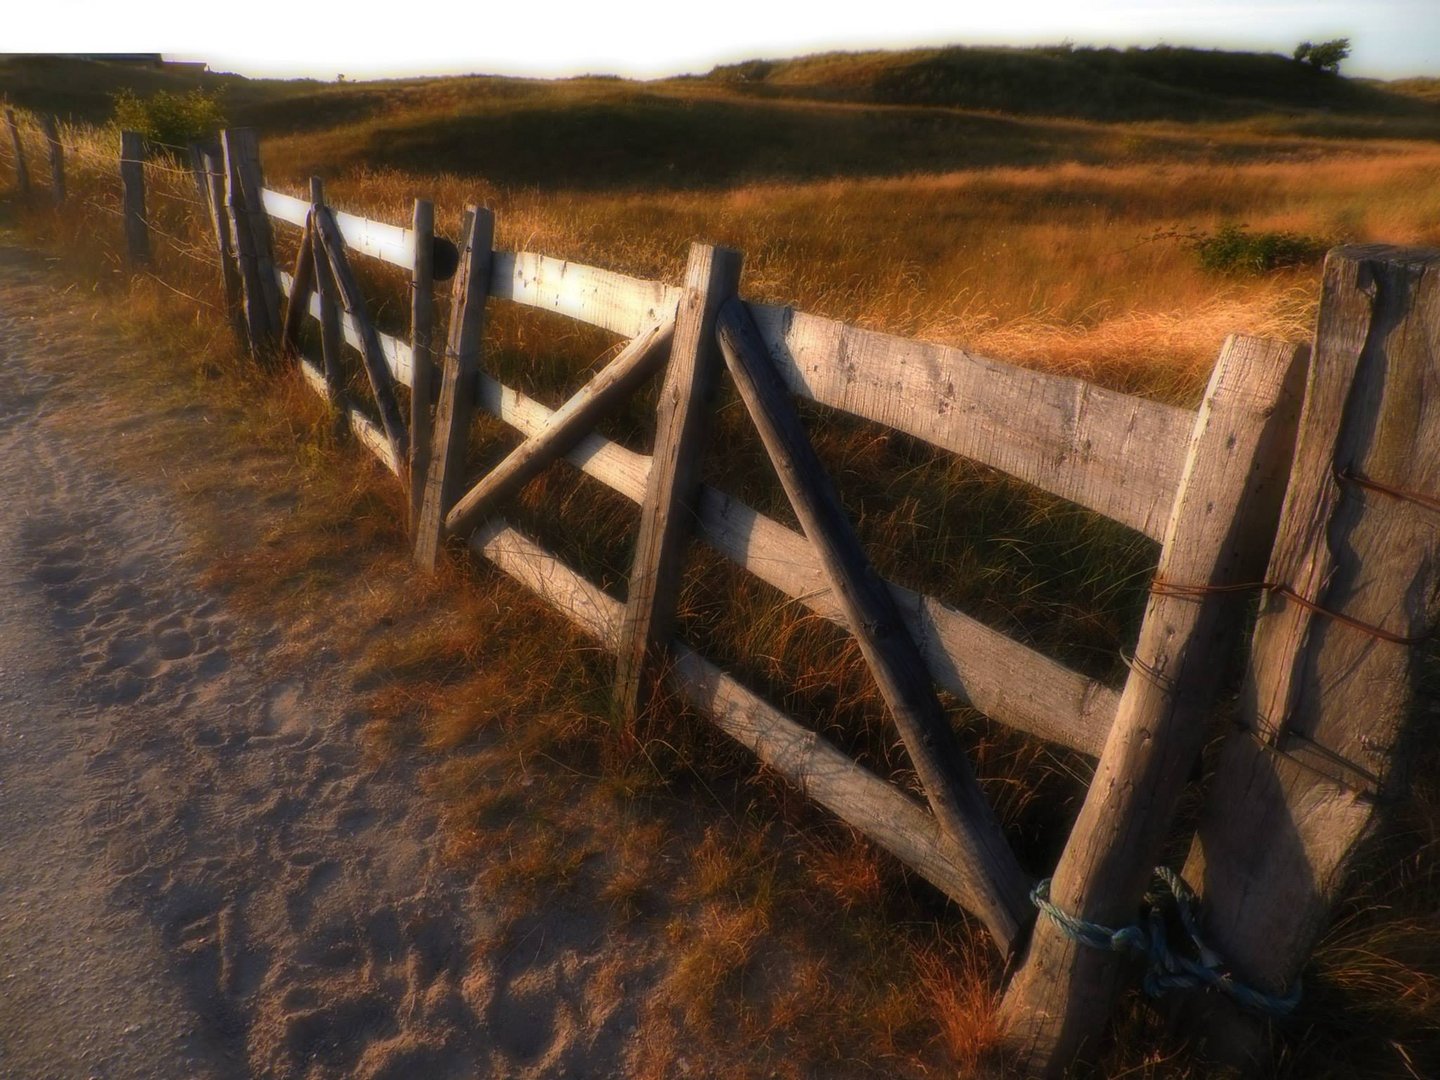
point(199, 875)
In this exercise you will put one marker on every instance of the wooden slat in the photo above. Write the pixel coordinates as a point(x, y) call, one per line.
point(1001, 889)
point(212, 168)
point(369, 433)
point(389, 243)
point(382, 384)
point(298, 290)
point(1008, 681)
point(1220, 533)
point(1113, 453)
point(682, 424)
point(607, 391)
point(396, 351)
point(455, 405)
point(423, 381)
point(242, 157)
point(1326, 707)
point(603, 298)
point(855, 795)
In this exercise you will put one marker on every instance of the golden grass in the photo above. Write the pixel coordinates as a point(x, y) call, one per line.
point(795, 948)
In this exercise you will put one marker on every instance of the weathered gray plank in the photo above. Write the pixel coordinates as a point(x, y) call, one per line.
point(377, 239)
point(1001, 889)
point(422, 382)
point(853, 794)
point(455, 406)
point(396, 351)
point(1116, 454)
point(1219, 534)
point(242, 158)
point(298, 287)
point(382, 384)
point(602, 298)
point(609, 389)
point(667, 514)
point(1325, 704)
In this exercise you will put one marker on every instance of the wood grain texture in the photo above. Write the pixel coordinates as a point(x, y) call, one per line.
point(1326, 707)
point(132, 180)
point(377, 239)
point(17, 145)
point(212, 167)
point(1220, 532)
point(611, 388)
point(382, 383)
point(57, 159)
point(259, 329)
point(1003, 678)
point(602, 298)
point(455, 406)
point(242, 154)
point(667, 514)
point(1113, 453)
point(423, 378)
point(855, 795)
point(1000, 887)
point(298, 287)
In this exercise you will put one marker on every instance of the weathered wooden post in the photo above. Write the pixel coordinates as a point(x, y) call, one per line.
point(22, 174)
point(712, 276)
point(57, 159)
point(1356, 586)
point(208, 164)
point(1218, 536)
point(455, 406)
point(132, 176)
point(253, 238)
point(422, 359)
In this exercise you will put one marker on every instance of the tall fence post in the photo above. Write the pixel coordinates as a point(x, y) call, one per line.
point(455, 406)
point(57, 159)
point(712, 276)
point(22, 174)
point(422, 360)
point(1218, 538)
point(253, 238)
point(1356, 570)
point(132, 176)
point(208, 163)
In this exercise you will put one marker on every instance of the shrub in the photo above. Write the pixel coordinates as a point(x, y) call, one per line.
point(170, 119)
point(1233, 249)
point(1326, 56)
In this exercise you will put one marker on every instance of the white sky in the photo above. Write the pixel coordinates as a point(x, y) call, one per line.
point(1390, 38)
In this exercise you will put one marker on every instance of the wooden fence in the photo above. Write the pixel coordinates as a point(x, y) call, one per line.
point(1334, 451)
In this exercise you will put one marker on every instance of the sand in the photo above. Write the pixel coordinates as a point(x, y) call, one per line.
point(200, 876)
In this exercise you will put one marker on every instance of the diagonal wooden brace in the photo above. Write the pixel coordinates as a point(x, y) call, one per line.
point(607, 391)
point(382, 382)
point(1000, 887)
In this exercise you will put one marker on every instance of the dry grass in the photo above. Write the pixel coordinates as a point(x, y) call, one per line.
point(793, 947)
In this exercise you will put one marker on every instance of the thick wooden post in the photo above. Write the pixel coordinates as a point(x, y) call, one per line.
point(253, 237)
point(667, 515)
point(998, 886)
point(455, 407)
point(1219, 534)
point(22, 174)
point(302, 283)
point(422, 357)
point(1327, 699)
point(132, 176)
point(332, 339)
point(57, 159)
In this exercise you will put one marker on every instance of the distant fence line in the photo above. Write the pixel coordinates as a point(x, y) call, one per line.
point(1307, 475)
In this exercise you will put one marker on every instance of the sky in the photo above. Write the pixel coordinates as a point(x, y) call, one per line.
point(648, 38)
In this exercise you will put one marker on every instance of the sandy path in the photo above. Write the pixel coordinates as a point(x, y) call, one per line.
point(198, 875)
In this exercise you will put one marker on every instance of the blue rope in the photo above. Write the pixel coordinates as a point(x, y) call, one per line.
point(1167, 969)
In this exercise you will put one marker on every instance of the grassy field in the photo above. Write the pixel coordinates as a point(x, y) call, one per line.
point(1034, 214)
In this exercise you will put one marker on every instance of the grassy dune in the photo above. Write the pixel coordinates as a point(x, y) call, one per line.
point(871, 189)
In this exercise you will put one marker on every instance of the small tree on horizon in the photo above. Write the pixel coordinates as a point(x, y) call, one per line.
point(1326, 56)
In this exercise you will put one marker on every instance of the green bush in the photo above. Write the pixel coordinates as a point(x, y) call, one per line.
point(1233, 249)
point(1326, 56)
point(170, 119)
